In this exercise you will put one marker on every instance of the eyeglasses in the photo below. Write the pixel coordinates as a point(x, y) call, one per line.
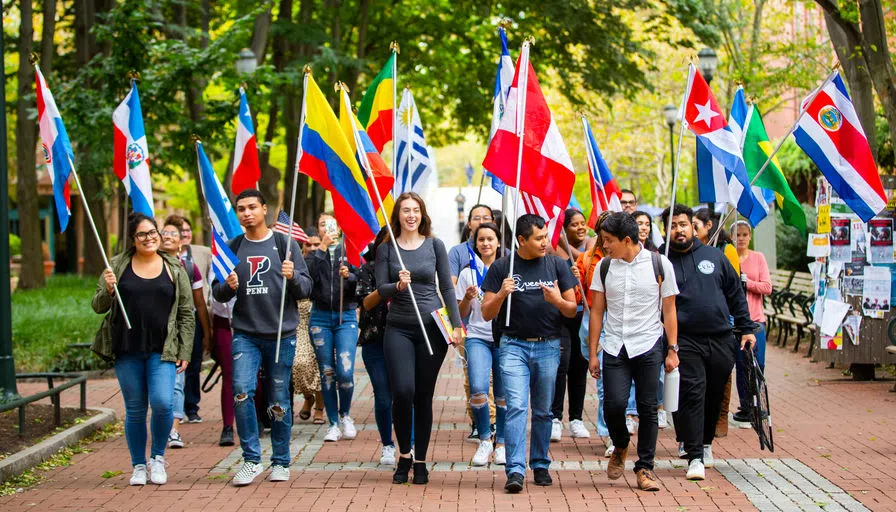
point(186, 231)
point(169, 233)
point(143, 235)
point(631, 202)
point(482, 219)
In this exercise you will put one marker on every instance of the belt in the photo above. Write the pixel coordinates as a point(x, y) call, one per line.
point(539, 338)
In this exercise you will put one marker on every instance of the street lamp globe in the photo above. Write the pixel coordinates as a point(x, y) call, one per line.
point(670, 113)
point(246, 62)
point(708, 62)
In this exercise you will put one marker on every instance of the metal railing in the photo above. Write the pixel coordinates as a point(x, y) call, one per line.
point(53, 393)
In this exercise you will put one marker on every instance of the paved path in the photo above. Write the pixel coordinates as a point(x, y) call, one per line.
point(835, 450)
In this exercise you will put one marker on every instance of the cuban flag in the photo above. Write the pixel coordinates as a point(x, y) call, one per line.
point(246, 171)
point(130, 155)
point(829, 132)
point(702, 115)
point(503, 80)
point(223, 259)
point(605, 191)
point(57, 149)
point(224, 221)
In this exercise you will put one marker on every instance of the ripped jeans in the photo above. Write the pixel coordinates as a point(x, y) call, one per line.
point(335, 346)
point(249, 353)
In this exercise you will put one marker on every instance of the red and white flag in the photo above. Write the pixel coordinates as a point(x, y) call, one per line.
point(246, 170)
point(552, 215)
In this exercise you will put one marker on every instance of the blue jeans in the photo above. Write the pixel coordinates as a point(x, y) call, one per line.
point(249, 353)
point(146, 381)
point(759, 353)
point(375, 363)
point(332, 341)
point(178, 407)
point(483, 361)
point(528, 368)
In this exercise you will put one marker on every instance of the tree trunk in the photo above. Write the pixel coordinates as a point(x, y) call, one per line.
point(877, 55)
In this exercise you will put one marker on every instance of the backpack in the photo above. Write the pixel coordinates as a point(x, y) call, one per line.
point(279, 239)
point(658, 271)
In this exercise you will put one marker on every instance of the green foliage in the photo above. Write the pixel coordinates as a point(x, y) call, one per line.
point(791, 244)
point(15, 245)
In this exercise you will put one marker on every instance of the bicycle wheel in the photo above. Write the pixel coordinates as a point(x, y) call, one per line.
point(762, 414)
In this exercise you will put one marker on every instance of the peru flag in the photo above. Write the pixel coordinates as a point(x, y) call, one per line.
point(57, 149)
point(246, 171)
point(547, 171)
point(130, 155)
point(829, 132)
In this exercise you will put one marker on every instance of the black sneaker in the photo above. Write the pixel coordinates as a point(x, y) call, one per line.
point(192, 417)
point(514, 483)
point(421, 474)
point(226, 436)
point(743, 416)
point(402, 468)
point(542, 477)
point(474, 435)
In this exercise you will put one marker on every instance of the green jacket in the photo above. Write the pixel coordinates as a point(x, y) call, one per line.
point(179, 342)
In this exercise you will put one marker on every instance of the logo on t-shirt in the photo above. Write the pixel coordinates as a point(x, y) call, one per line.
point(258, 265)
point(521, 286)
point(706, 266)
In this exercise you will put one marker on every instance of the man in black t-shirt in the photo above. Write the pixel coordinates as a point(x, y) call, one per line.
point(543, 289)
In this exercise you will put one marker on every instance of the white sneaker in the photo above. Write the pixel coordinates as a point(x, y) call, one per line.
point(661, 420)
point(174, 440)
point(631, 425)
point(333, 434)
point(387, 456)
point(610, 448)
point(348, 427)
point(483, 453)
point(500, 456)
point(139, 476)
point(682, 453)
point(577, 429)
point(708, 461)
point(556, 430)
point(157, 473)
point(696, 470)
point(279, 474)
point(247, 473)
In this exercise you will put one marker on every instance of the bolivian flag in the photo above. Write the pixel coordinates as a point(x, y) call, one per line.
point(375, 112)
point(328, 159)
point(757, 149)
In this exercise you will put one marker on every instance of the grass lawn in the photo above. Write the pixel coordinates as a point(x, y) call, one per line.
point(46, 321)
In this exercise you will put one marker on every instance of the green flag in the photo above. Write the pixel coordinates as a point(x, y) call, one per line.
point(757, 149)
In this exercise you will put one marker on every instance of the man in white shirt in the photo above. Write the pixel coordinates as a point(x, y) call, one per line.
point(629, 284)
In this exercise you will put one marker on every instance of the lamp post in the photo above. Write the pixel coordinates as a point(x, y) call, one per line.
point(7, 364)
point(670, 113)
point(246, 62)
point(708, 62)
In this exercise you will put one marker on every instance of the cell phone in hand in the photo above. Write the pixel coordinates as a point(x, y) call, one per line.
point(331, 227)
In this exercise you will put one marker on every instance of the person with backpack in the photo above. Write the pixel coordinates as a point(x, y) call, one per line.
point(266, 258)
point(634, 286)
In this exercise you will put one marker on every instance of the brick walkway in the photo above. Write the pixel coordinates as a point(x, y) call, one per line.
point(835, 450)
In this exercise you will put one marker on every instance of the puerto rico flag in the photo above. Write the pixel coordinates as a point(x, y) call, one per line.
point(605, 192)
point(829, 132)
point(130, 156)
point(57, 149)
point(246, 171)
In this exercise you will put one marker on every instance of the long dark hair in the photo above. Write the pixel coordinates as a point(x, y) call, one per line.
point(648, 243)
point(425, 228)
point(704, 217)
point(487, 225)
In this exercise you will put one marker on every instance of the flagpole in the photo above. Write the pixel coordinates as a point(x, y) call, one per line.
point(292, 207)
point(585, 307)
point(395, 51)
point(592, 159)
point(677, 160)
point(522, 85)
point(408, 143)
point(481, 181)
point(342, 279)
point(376, 192)
point(778, 147)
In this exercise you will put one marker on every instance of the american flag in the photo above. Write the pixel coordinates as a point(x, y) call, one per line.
point(282, 226)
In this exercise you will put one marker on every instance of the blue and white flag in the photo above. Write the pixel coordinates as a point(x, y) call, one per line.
point(414, 164)
point(223, 259)
point(503, 80)
point(223, 218)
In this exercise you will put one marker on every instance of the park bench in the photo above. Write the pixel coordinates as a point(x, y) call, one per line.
point(792, 309)
point(780, 281)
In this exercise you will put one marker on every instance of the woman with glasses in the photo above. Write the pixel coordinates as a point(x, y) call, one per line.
point(156, 294)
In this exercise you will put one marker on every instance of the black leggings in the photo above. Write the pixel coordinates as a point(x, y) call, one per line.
point(412, 376)
point(572, 372)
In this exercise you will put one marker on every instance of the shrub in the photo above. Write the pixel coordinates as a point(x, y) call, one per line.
point(15, 245)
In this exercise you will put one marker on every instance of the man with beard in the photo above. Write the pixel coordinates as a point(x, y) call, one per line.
point(710, 293)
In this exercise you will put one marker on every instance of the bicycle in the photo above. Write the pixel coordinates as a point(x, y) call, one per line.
point(760, 414)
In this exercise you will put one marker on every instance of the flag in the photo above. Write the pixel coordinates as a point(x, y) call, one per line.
point(496, 183)
point(328, 159)
point(547, 171)
point(605, 191)
point(369, 157)
point(737, 121)
point(130, 155)
point(414, 165)
point(223, 218)
point(503, 79)
point(282, 226)
point(552, 215)
point(223, 259)
point(375, 112)
point(829, 132)
point(702, 115)
point(246, 171)
point(57, 149)
point(757, 149)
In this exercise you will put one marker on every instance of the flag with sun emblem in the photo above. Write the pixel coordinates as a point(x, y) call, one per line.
point(414, 165)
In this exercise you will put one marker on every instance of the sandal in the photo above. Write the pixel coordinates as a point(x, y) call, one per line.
point(305, 412)
point(319, 416)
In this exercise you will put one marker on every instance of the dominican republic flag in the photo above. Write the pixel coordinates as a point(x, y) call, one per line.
point(829, 132)
point(223, 259)
point(547, 171)
point(130, 155)
point(282, 226)
point(223, 218)
point(57, 149)
point(702, 115)
point(414, 162)
point(605, 192)
point(246, 171)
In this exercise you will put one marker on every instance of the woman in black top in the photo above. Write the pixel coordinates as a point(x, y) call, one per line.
point(412, 370)
point(157, 298)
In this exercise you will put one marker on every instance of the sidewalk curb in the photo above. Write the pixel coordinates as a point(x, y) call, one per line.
point(34, 455)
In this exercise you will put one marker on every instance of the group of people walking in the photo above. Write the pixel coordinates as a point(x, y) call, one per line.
point(531, 323)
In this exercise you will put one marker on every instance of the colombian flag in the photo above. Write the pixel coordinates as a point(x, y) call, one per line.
point(375, 112)
point(384, 178)
point(327, 158)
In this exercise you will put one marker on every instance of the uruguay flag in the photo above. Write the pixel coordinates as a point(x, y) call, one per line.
point(605, 192)
point(223, 259)
point(57, 149)
point(246, 171)
point(414, 163)
point(829, 132)
point(224, 221)
point(503, 80)
point(130, 156)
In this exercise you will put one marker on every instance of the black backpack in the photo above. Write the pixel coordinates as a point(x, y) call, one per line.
point(658, 271)
point(279, 239)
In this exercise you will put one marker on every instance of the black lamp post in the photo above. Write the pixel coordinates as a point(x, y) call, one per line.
point(670, 114)
point(8, 388)
point(708, 62)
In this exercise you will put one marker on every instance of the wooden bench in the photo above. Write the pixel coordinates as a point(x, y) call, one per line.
point(792, 308)
point(780, 281)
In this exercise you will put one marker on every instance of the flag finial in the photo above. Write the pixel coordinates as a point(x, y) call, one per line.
point(340, 86)
point(505, 23)
point(195, 139)
point(307, 69)
point(34, 58)
point(243, 86)
point(530, 40)
point(133, 75)
point(394, 47)
point(407, 86)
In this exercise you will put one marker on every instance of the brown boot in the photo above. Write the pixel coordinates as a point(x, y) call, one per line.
point(617, 463)
point(722, 424)
point(647, 480)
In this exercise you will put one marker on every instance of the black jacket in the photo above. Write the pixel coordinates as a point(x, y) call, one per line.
point(325, 291)
point(709, 293)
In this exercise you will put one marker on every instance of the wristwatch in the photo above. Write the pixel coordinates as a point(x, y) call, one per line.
point(674, 347)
